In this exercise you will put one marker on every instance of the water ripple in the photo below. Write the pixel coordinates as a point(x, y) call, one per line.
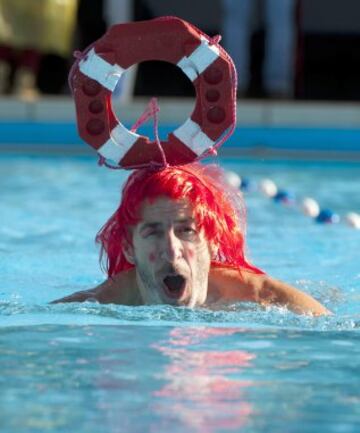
point(244, 315)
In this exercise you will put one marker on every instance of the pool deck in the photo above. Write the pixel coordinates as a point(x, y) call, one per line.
point(266, 129)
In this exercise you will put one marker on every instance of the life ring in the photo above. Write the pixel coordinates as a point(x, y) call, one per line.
point(93, 79)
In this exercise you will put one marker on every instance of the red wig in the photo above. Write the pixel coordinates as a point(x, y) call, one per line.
point(218, 210)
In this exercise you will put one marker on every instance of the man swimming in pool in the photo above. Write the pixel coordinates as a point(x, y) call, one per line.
point(177, 238)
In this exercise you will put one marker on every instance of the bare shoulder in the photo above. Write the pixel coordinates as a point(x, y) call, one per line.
point(234, 284)
point(121, 289)
point(275, 292)
point(244, 285)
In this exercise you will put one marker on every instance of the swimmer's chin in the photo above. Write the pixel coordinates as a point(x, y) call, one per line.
point(192, 302)
point(186, 301)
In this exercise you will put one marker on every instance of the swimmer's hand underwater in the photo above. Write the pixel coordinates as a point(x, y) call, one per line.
point(225, 285)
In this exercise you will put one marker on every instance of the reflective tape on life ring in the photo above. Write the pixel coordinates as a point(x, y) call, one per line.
point(95, 77)
point(120, 141)
point(95, 67)
point(200, 59)
point(191, 134)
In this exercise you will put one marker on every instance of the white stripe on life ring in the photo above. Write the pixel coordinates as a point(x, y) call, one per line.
point(100, 70)
point(191, 134)
point(200, 59)
point(120, 141)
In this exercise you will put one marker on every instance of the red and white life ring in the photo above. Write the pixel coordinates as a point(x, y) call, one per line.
point(94, 77)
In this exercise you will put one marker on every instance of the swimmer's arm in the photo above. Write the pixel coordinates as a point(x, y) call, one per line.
point(269, 291)
point(243, 285)
point(81, 296)
point(117, 290)
point(99, 294)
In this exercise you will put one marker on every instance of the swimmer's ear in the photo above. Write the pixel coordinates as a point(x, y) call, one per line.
point(128, 251)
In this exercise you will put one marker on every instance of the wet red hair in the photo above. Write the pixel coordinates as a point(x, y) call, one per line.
point(218, 210)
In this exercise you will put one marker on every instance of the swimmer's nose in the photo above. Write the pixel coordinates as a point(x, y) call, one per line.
point(172, 247)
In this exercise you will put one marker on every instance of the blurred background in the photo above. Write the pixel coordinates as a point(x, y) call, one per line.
point(283, 49)
point(298, 64)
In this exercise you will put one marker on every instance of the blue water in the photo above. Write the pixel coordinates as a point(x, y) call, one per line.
point(107, 368)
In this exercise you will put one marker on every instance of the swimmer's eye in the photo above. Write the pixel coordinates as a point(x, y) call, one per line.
point(184, 232)
point(150, 230)
point(188, 232)
point(150, 233)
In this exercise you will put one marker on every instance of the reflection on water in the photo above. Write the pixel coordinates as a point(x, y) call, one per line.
point(114, 379)
point(199, 391)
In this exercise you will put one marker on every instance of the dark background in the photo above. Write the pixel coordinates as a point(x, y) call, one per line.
point(327, 52)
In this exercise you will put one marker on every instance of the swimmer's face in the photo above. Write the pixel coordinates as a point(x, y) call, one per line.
point(171, 255)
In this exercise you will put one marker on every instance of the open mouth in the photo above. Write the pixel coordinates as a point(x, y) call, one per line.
point(174, 286)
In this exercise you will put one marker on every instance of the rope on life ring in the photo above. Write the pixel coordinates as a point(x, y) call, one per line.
point(97, 71)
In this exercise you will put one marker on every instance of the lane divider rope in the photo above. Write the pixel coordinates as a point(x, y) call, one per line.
point(307, 205)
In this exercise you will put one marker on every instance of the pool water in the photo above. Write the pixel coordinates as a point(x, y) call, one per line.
point(109, 368)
